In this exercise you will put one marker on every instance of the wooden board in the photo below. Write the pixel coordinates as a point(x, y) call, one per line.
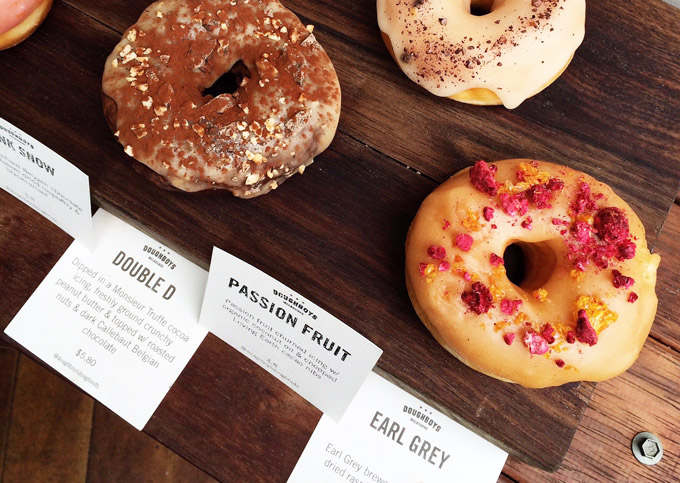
point(642, 399)
point(666, 326)
point(336, 234)
point(119, 453)
point(53, 412)
point(8, 369)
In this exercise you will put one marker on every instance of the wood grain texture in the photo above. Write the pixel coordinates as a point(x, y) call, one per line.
point(236, 421)
point(8, 368)
point(30, 245)
point(57, 417)
point(336, 234)
point(120, 453)
point(643, 399)
point(666, 327)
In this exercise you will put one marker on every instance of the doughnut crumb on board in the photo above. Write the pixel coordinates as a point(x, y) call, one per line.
point(580, 305)
point(235, 95)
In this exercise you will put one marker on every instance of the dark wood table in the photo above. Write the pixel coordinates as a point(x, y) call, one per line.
point(614, 114)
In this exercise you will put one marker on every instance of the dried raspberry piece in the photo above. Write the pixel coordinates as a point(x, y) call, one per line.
point(509, 307)
point(483, 178)
point(557, 222)
point(571, 337)
point(467, 276)
point(559, 362)
point(444, 266)
point(581, 232)
point(527, 223)
point(584, 331)
point(496, 260)
point(632, 297)
point(447, 224)
point(421, 268)
point(535, 343)
point(548, 333)
point(611, 225)
point(515, 204)
point(479, 300)
point(509, 338)
point(464, 242)
point(619, 280)
point(626, 250)
point(584, 202)
point(488, 212)
point(539, 195)
point(436, 251)
point(555, 184)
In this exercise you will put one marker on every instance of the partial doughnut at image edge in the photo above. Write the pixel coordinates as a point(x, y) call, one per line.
point(482, 52)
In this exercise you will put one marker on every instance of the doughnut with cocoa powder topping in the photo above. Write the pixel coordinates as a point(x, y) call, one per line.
point(579, 307)
point(482, 52)
point(159, 99)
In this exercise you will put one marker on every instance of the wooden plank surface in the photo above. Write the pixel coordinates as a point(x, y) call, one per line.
point(364, 198)
point(643, 399)
point(57, 416)
point(8, 367)
point(119, 453)
point(233, 419)
point(666, 327)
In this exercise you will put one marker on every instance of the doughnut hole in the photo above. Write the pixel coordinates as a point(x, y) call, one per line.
point(229, 82)
point(529, 266)
point(479, 8)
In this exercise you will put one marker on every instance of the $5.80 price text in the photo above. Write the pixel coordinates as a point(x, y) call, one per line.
point(89, 360)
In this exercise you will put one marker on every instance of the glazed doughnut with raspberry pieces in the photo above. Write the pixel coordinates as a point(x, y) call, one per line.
point(581, 306)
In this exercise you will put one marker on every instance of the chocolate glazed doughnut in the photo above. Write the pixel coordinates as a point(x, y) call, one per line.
point(280, 112)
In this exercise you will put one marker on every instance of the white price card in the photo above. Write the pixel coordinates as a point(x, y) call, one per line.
point(389, 436)
point(46, 182)
point(120, 322)
point(305, 347)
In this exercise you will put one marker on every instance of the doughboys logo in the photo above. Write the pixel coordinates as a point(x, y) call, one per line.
point(16, 137)
point(295, 303)
point(160, 256)
point(419, 415)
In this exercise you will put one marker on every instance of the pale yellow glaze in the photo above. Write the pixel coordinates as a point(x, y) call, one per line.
point(513, 52)
point(472, 338)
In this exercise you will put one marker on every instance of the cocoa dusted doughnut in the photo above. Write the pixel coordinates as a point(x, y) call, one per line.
point(281, 111)
point(585, 303)
point(511, 52)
